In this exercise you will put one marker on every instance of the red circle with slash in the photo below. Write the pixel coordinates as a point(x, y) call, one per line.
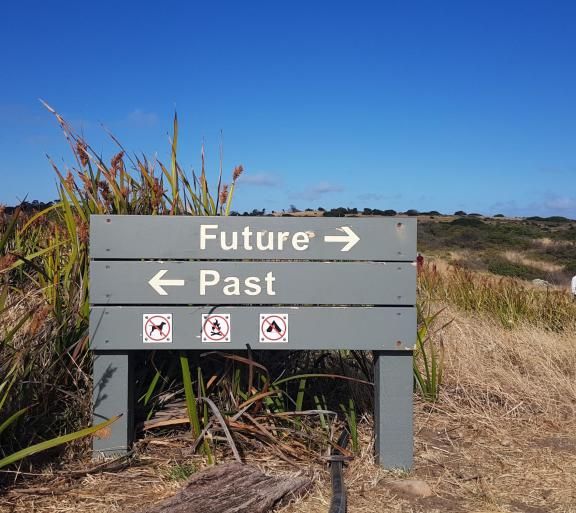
point(278, 331)
point(158, 326)
point(223, 333)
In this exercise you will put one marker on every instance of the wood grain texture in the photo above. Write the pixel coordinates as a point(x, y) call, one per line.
point(231, 488)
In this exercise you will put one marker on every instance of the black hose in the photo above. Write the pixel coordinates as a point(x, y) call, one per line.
point(338, 502)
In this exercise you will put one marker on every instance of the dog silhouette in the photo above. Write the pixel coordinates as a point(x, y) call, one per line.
point(159, 327)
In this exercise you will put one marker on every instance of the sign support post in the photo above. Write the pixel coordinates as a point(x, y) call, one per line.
point(393, 408)
point(113, 394)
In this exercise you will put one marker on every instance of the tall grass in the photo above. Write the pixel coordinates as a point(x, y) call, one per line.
point(44, 359)
point(511, 301)
point(428, 362)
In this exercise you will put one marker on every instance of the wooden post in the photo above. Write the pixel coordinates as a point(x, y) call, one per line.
point(113, 395)
point(393, 409)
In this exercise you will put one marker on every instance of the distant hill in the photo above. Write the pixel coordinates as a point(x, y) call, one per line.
point(530, 248)
point(28, 206)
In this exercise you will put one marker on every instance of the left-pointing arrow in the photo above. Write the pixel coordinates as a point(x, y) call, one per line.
point(156, 282)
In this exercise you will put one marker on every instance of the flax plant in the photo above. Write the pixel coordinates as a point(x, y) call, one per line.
point(44, 308)
point(429, 353)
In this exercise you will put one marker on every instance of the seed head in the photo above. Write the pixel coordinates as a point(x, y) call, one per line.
point(105, 192)
point(238, 170)
point(223, 194)
point(116, 164)
point(83, 232)
point(6, 261)
point(70, 183)
point(81, 150)
point(86, 181)
point(38, 320)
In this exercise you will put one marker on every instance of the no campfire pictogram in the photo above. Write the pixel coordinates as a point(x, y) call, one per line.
point(273, 328)
point(157, 328)
point(216, 328)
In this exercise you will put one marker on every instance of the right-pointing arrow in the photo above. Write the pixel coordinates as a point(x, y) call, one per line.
point(350, 238)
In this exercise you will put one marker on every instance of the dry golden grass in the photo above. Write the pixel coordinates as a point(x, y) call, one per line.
point(519, 258)
point(501, 439)
point(547, 242)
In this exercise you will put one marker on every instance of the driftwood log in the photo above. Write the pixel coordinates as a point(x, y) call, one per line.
point(231, 488)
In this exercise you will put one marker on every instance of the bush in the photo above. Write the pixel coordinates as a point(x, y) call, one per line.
point(468, 221)
point(551, 219)
point(504, 267)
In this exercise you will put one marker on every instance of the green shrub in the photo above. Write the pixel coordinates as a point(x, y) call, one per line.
point(504, 267)
point(468, 221)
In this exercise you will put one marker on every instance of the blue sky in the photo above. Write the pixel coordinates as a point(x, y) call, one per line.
point(442, 105)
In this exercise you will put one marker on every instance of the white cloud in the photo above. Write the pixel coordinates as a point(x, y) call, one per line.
point(260, 180)
point(376, 196)
point(142, 119)
point(560, 203)
point(550, 204)
point(318, 191)
point(371, 196)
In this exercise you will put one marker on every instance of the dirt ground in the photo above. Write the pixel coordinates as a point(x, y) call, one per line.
point(471, 467)
point(502, 438)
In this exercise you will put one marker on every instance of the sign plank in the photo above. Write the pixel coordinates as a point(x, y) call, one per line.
point(310, 328)
point(252, 238)
point(217, 283)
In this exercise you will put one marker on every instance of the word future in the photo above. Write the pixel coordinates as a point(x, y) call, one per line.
point(262, 240)
point(267, 240)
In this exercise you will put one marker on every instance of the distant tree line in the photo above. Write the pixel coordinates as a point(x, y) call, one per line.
point(36, 206)
point(28, 207)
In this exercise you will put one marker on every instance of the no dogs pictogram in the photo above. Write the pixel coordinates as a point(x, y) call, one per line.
point(273, 328)
point(216, 328)
point(157, 328)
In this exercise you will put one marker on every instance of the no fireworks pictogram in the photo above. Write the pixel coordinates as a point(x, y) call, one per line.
point(273, 328)
point(216, 328)
point(157, 328)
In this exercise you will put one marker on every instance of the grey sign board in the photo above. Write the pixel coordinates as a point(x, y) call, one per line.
point(253, 238)
point(309, 283)
point(184, 282)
